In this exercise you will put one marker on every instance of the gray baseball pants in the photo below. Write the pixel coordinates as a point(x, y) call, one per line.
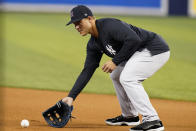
point(127, 79)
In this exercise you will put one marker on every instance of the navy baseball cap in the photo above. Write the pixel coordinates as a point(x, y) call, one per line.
point(78, 13)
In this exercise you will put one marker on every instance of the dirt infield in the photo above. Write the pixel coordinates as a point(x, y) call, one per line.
point(90, 111)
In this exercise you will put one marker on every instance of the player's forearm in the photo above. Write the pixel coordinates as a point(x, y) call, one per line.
point(82, 80)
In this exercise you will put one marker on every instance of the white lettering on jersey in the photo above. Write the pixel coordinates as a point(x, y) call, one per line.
point(110, 49)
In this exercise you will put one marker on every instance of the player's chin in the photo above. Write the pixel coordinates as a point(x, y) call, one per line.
point(83, 33)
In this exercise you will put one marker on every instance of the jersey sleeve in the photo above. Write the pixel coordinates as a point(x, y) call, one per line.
point(91, 63)
point(122, 32)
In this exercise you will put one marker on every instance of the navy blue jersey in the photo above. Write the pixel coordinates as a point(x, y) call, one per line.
point(119, 41)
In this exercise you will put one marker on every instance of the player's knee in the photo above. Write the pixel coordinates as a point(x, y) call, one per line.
point(124, 80)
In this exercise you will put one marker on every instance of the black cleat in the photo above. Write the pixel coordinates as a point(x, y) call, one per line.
point(155, 125)
point(120, 120)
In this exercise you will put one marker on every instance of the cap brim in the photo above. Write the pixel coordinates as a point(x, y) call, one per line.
point(72, 21)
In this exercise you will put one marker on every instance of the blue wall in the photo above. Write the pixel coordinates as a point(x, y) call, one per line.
point(132, 3)
point(175, 7)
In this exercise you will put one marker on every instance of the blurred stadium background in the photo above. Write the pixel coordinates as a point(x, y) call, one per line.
point(38, 51)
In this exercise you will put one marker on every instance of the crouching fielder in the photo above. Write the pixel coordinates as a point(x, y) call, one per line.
point(136, 54)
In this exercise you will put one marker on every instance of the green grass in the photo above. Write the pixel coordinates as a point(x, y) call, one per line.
point(41, 53)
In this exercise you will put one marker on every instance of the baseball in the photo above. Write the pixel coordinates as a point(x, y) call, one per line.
point(24, 123)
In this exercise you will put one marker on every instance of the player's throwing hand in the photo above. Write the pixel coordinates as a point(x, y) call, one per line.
point(109, 66)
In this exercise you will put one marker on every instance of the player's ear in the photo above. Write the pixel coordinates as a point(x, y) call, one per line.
point(91, 18)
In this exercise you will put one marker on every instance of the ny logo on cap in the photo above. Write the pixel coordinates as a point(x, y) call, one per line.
point(71, 14)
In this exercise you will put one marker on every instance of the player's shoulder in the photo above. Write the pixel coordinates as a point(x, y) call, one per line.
point(104, 22)
point(110, 23)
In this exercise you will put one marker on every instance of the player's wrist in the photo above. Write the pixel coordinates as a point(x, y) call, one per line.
point(115, 62)
point(68, 100)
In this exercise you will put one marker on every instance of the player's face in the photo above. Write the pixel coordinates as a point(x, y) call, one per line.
point(83, 26)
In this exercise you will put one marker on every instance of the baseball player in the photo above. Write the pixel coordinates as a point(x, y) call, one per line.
point(136, 54)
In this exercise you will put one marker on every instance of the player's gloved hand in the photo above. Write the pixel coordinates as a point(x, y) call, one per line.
point(58, 115)
point(109, 66)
